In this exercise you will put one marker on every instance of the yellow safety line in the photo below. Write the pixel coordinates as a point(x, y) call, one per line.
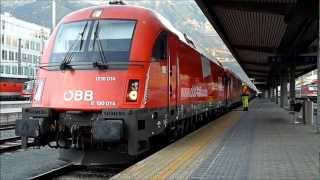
point(194, 150)
point(200, 139)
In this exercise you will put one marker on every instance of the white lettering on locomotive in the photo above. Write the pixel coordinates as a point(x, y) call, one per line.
point(88, 96)
point(105, 78)
point(78, 95)
point(103, 103)
point(194, 91)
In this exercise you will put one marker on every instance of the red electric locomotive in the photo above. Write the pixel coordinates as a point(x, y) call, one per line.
point(113, 77)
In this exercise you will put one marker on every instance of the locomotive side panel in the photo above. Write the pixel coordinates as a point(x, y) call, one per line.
point(236, 89)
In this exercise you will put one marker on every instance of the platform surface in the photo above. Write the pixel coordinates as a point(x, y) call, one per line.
point(259, 144)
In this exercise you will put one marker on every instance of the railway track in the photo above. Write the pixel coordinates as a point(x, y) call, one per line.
point(5, 127)
point(56, 172)
point(11, 144)
point(10, 111)
point(71, 171)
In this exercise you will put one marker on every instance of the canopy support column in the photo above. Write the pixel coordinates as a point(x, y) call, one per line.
point(284, 89)
point(277, 94)
point(292, 86)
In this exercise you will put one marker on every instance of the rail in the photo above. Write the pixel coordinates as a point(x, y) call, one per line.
point(10, 144)
point(56, 172)
point(9, 126)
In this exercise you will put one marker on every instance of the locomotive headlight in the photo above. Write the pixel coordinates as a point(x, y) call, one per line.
point(132, 94)
point(38, 89)
point(96, 13)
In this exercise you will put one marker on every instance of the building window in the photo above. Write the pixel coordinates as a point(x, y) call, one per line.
point(38, 46)
point(1, 69)
point(17, 56)
point(20, 69)
point(21, 43)
point(14, 42)
point(11, 55)
point(34, 59)
point(26, 44)
point(29, 58)
point(32, 45)
point(31, 71)
point(14, 70)
point(24, 57)
point(3, 25)
point(8, 40)
point(4, 54)
point(2, 38)
point(26, 71)
point(7, 69)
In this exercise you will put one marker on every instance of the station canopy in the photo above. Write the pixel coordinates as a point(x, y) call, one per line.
point(267, 37)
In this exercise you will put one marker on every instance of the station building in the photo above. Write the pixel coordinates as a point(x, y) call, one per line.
point(21, 47)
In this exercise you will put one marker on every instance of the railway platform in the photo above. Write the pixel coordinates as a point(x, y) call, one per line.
point(262, 143)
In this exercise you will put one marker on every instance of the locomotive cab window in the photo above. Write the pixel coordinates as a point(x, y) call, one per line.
point(206, 67)
point(89, 41)
point(160, 47)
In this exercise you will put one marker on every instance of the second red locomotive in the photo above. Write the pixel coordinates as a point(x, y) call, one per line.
point(113, 77)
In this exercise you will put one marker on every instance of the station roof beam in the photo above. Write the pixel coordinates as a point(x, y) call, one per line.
point(258, 31)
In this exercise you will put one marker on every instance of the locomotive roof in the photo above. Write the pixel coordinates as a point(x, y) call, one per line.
point(137, 13)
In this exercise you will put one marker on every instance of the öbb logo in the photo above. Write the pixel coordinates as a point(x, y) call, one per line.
point(78, 95)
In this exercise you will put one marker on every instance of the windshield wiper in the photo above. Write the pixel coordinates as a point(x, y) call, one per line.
point(65, 64)
point(101, 63)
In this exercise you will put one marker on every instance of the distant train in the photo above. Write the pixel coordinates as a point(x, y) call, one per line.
point(114, 77)
point(27, 90)
point(307, 90)
point(15, 90)
point(10, 89)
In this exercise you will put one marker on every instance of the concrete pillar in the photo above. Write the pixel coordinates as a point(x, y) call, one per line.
point(266, 93)
point(292, 86)
point(284, 90)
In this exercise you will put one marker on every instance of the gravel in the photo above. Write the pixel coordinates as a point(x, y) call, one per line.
point(23, 164)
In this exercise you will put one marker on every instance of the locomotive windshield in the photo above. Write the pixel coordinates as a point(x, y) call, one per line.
point(90, 41)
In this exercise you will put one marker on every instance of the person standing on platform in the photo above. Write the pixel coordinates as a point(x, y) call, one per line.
point(245, 96)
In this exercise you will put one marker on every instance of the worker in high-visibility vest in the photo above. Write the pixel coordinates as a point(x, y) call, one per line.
point(245, 93)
